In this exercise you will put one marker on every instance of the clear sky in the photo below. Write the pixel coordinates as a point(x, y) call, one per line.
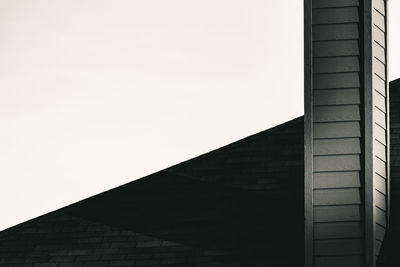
point(97, 93)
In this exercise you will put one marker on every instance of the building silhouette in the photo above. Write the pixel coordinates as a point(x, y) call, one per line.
point(321, 190)
point(240, 205)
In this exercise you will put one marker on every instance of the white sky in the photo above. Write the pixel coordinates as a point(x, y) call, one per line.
point(94, 94)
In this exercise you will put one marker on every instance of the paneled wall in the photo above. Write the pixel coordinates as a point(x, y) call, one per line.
point(345, 132)
point(338, 224)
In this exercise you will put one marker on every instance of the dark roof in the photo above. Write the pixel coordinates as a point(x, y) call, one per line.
point(240, 205)
point(395, 84)
point(389, 256)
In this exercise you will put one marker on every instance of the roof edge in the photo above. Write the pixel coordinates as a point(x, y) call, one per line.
point(395, 82)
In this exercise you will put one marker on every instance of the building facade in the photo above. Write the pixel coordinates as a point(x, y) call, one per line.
point(346, 132)
point(321, 190)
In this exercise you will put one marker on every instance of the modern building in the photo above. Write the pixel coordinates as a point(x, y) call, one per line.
point(321, 190)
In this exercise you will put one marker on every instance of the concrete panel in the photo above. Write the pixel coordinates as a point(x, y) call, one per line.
point(379, 85)
point(336, 113)
point(379, 101)
point(336, 64)
point(337, 146)
point(378, 245)
point(337, 97)
point(379, 20)
point(336, 179)
point(336, 129)
point(380, 183)
point(337, 196)
point(378, 36)
point(380, 150)
point(336, 3)
point(380, 200)
point(379, 134)
point(340, 261)
point(380, 118)
point(335, 32)
point(336, 48)
point(336, 80)
point(380, 217)
point(337, 213)
point(337, 163)
point(379, 68)
point(379, 232)
point(338, 230)
point(338, 247)
point(380, 167)
point(378, 52)
point(335, 15)
point(379, 5)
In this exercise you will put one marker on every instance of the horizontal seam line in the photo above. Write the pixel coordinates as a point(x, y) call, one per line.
point(380, 126)
point(339, 72)
point(334, 7)
point(358, 120)
point(336, 171)
point(336, 72)
point(379, 12)
point(336, 188)
point(381, 225)
point(384, 227)
point(350, 221)
point(342, 238)
point(376, 41)
point(338, 154)
point(334, 138)
point(338, 238)
point(338, 205)
point(340, 105)
point(380, 93)
point(338, 56)
point(336, 23)
point(380, 109)
point(383, 194)
point(378, 77)
point(380, 209)
point(380, 142)
point(337, 88)
point(382, 30)
point(380, 60)
point(381, 176)
point(384, 161)
point(338, 255)
point(336, 105)
point(337, 40)
point(343, 23)
point(344, 56)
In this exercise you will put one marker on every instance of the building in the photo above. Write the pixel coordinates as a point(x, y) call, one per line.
point(321, 190)
point(240, 205)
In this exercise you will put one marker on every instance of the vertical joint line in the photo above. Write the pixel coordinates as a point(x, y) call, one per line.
point(308, 131)
point(368, 134)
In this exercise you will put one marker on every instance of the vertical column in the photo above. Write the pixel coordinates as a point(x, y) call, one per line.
point(345, 132)
point(380, 128)
point(376, 128)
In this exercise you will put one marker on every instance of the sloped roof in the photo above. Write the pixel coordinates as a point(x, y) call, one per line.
point(240, 205)
point(389, 256)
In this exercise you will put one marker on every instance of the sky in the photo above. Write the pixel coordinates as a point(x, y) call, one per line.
point(97, 93)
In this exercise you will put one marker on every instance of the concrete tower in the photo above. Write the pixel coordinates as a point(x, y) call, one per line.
point(346, 132)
